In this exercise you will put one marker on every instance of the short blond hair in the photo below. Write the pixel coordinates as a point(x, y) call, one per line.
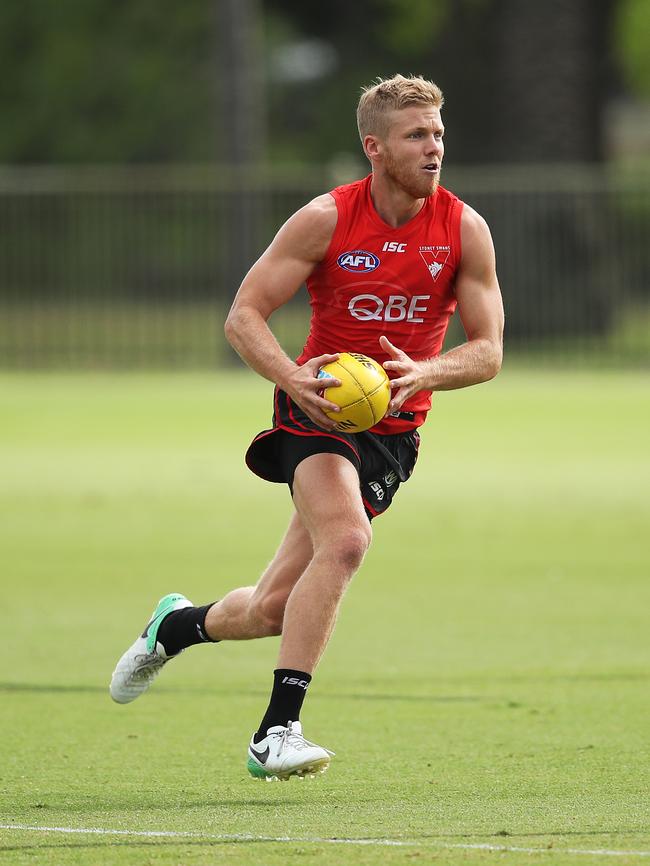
point(386, 95)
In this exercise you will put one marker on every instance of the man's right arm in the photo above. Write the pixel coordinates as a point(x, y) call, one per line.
point(273, 280)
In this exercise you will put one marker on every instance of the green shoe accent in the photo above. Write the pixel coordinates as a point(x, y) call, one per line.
point(255, 770)
point(165, 606)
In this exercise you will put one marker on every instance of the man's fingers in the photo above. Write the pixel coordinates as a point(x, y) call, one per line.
point(387, 346)
point(322, 420)
point(324, 382)
point(404, 370)
point(319, 403)
point(325, 405)
point(321, 360)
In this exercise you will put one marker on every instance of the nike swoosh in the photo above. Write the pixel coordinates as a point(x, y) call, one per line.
point(261, 756)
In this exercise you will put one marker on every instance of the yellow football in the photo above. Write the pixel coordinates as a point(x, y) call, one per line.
point(364, 393)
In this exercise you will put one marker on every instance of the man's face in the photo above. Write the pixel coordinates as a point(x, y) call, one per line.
point(412, 150)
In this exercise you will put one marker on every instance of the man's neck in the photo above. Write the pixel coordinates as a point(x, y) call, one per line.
point(393, 205)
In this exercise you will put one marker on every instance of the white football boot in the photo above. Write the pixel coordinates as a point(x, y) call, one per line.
point(144, 659)
point(284, 752)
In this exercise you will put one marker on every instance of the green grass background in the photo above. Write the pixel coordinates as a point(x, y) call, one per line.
point(487, 682)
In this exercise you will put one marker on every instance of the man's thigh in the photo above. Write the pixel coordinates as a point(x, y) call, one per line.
point(327, 496)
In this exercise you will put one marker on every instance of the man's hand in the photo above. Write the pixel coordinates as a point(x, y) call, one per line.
point(304, 387)
point(410, 375)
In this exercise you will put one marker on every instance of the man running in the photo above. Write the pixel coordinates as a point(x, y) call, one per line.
point(386, 261)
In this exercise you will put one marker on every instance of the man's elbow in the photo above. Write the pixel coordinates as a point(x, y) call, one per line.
point(493, 361)
point(234, 325)
point(230, 327)
point(489, 359)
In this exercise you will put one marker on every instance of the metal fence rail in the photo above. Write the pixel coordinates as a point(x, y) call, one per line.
point(135, 267)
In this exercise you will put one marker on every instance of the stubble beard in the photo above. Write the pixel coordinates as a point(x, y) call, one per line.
point(410, 180)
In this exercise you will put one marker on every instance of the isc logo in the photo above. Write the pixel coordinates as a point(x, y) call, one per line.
point(393, 247)
point(358, 261)
point(295, 681)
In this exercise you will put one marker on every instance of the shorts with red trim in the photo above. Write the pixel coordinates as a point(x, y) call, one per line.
point(382, 462)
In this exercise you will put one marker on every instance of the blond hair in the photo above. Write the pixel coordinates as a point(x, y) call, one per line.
point(389, 94)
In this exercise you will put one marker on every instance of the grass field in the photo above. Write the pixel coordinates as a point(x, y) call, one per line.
point(486, 690)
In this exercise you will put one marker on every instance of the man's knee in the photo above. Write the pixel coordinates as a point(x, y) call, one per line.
point(267, 609)
point(347, 546)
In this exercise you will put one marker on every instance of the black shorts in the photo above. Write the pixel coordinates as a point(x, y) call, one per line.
point(382, 462)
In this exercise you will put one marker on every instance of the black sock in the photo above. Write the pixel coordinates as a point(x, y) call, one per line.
point(183, 628)
point(289, 689)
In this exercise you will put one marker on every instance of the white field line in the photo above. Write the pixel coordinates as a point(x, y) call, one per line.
point(316, 840)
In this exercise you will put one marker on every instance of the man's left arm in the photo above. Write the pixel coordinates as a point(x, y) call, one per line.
point(481, 311)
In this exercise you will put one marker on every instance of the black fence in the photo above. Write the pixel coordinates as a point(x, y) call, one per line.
point(136, 267)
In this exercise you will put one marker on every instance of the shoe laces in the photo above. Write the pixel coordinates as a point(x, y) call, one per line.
point(147, 665)
point(289, 737)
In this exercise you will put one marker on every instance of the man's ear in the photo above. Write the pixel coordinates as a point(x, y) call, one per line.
point(372, 147)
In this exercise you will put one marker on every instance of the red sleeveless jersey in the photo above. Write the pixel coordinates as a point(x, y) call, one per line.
point(375, 279)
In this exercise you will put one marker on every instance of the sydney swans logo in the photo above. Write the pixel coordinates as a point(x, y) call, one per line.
point(435, 258)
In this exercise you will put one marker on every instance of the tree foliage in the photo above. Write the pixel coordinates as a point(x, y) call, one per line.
point(106, 80)
point(112, 80)
point(633, 44)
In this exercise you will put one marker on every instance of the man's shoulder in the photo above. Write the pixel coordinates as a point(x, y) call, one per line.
point(476, 238)
point(317, 221)
point(470, 219)
point(310, 229)
point(320, 209)
point(472, 223)
point(322, 213)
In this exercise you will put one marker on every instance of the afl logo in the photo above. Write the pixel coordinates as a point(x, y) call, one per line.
point(358, 261)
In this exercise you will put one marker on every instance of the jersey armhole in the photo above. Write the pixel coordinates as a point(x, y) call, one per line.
point(457, 244)
point(456, 216)
point(340, 222)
